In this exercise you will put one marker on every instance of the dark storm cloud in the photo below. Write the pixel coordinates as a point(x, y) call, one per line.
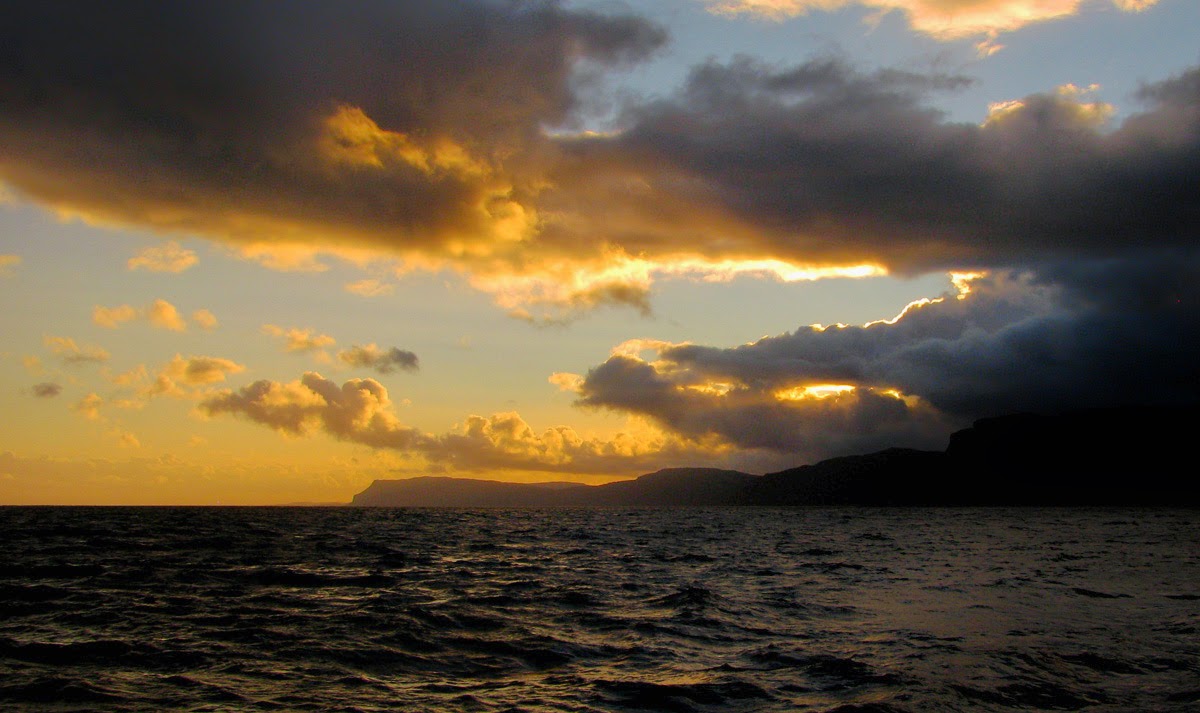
point(753, 417)
point(420, 129)
point(400, 124)
point(1079, 334)
point(822, 162)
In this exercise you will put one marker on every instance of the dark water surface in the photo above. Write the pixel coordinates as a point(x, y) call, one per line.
point(827, 609)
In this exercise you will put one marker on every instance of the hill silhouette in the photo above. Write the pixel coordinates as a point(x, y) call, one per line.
point(1112, 456)
point(664, 488)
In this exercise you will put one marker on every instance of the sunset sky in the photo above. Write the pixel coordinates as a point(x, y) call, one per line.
point(257, 252)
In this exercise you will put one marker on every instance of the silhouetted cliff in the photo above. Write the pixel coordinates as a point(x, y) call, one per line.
point(897, 476)
point(669, 487)
point(1116, 456)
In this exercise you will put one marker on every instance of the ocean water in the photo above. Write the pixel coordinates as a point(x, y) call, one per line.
point(738, 609)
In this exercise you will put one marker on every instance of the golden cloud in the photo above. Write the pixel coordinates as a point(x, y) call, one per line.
point(361, 411)
point(369, 287)
point(205, 319)
point(169, 257)
point(89, 406)
point(69, 352)
point(7, 262)
point(181, 377)
point(947, 19)
point(404, 135)
point(299, 340)
point(159, 313)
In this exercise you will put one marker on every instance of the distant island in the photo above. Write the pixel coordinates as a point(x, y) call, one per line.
point(1110, 456)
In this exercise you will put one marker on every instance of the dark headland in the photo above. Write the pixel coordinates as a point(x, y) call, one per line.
point(1112, 456)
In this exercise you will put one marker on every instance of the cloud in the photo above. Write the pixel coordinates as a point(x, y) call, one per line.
point(823, 164)
point(126, 439)
point(205, 319)
point(159, 313)
point(7, 262)
point(1075, 334)
point(946, 19)
point(71, 353)
point(383, 361)
point(89, 407)
point(361, 411)
point(169, 257)
point(181, 376)
point(113, 317)
point(358, 411)
point(369, 287)
point(412, 129)
point(299, 340)
point(162, 314)
point(47, 390)
point(404, 132)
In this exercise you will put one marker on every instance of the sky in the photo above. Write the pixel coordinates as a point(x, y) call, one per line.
point(263, 253)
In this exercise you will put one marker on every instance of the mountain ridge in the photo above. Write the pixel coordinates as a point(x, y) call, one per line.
point(1103, 456)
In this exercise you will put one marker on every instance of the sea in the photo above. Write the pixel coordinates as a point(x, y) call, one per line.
point(835, 610)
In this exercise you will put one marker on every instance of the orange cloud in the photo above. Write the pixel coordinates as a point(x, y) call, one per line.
point(181, 377)
point(7, 262)
point(69, 352)
point(159, 313)
point(369, 287)
point(453, 155)
point(361, 411)
point(300, 340)
point(169, 257)
point(205, 319)
point(947, 19)
point(89, 406)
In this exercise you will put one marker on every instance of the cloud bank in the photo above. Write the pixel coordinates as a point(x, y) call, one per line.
point(408, 131)
point(361, 411)
point(1075, 335)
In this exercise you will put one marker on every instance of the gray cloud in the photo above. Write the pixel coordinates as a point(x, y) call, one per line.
point(384, 361)
point(399, 125)
point(47, 390)
point(824, 163)
point(1075, 335)
point(419, 129)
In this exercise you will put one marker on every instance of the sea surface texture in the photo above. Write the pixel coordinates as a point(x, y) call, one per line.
point(736, 609)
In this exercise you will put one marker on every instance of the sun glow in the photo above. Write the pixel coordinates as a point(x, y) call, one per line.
point(712, 389)
point(814, 391)
point(962, 282)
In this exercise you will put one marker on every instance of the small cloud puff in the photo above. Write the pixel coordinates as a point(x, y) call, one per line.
point(89, 406)
point(159, 313)
point(205, 319)
point(181, 374)
point(71, 353)
point(170, 257)
point(383, 361)
point(46, 390)
point(299, 340)
point(369, 288)
point(8, 261)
